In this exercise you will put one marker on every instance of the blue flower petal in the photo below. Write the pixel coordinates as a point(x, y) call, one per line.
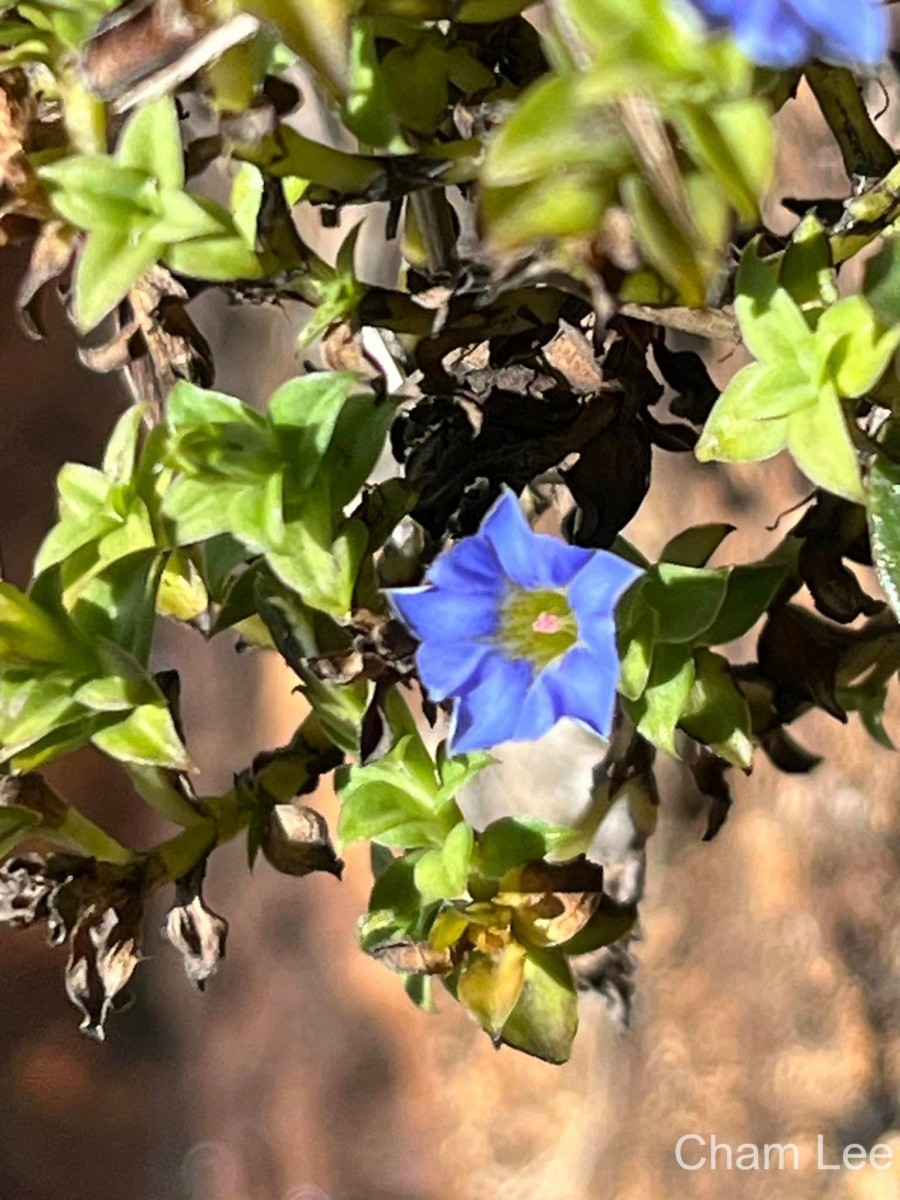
point(717, 12)
point(597, 587)
point(532, 560)
point(583, 686)
point(863, 38)
point(771, 33)
point(446, 667)
point(540, 712)
point(442, 616)
point(597, 631)
point(786, 33)
point(470, 565)
point(488, 713)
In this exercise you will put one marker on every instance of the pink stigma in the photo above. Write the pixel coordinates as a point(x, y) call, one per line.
point(546, 623)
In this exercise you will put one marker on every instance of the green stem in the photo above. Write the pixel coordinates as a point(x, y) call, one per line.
point(77, 832)
point(863, 149)
point(433, 217)
point(85, 114)
point(278, 778)
point(177, 857)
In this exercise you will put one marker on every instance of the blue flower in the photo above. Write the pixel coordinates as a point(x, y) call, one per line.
point(788, 33)
point(518, 628)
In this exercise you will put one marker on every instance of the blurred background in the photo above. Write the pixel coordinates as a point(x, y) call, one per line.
point(768, 1003)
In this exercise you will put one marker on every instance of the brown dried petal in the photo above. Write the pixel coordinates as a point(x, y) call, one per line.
point(105, 950)
point(196, 931)
point(24, 888)
point(49, 259)
point(551, 902)
point(136, 39)
point(21, 194)
point(577, 875)
point(413, 958)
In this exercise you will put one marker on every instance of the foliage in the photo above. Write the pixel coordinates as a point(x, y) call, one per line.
point(572, 198)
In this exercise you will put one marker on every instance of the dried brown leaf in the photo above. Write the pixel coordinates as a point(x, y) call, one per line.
point(413, 958)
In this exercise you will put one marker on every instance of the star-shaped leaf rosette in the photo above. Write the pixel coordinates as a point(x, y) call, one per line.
point(518, 629)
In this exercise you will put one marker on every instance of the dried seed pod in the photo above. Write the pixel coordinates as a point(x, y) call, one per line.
point(296, 841)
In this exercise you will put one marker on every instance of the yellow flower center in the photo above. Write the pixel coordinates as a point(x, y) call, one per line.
point(537, 625)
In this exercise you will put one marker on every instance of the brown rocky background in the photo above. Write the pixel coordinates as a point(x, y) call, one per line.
point(769, 985)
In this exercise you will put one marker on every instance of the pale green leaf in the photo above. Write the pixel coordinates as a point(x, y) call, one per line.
point(147, 736)
point(735, 432)
point(820, 444)
point(110, 263)
point(545, 1019)
point(151, 142)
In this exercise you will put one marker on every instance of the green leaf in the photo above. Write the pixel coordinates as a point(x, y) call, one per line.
point(680, 258)
point(151, 142)
point(247, 192)
point(181, 594)
point(379, 810)
point(256, 514)
point(113, 693)
point(748, 595)
point(560, 206)
point(184, 217)
point(696, 546)
point(356, 445)
point(456, 772)
point(659, 710)
point(198, 509)
point(28, 635)
point(884, 526)
point(821, 446)
point(220, 258)
point(749, 420)
point(118, 602)
point(735, 141)
point(490, 986)
point(95, 192)
point(554, 127)
point(110, 263)
point(58, 741)
point(395, 889)
point(121, 454)
point(807, 269)
point(443, 874)
point(773, 327)
point(512, 841)
point(190, 405)
point(219, 559)
point(717, 712)
point(545, 1019)
point(399, 800)
point(339, 707)
point(686, 599)
point(882, 282)
point(322, 570)
point(367, 109)
point(609, 923)
point(304, 412)
point(146, 736)
point(858, 348)
point(638, 641)
point(31, 705)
